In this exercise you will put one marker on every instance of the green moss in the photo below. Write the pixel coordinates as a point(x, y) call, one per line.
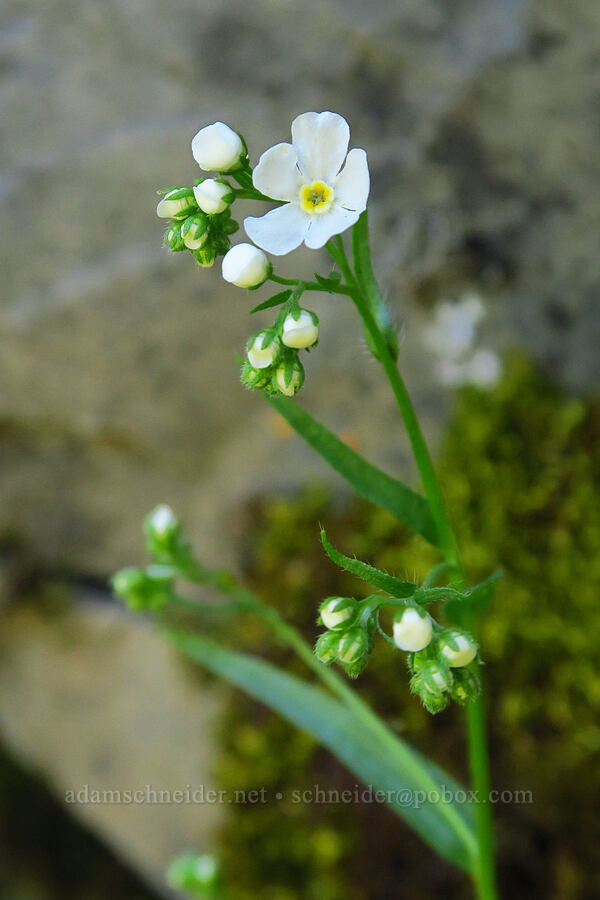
point(521, 472)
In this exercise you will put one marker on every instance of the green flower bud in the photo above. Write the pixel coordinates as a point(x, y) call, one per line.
point(163, 533)
point(197, 876)
point(467, 685)
point(353, 646)
point(194, 231)
point(173, 239)
point(457, 647)
point(143, 589)
point(288, 377)
point(205, 257)
point(177, 203)
point(326, 648)
point(255, 379)
point(435, 677)
point(338, 613)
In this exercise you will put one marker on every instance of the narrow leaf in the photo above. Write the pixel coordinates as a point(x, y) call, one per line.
point(406, 778)
point(281, 297)
point(368, 573)
point(369, 481)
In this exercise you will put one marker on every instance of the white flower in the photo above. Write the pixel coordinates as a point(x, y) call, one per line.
point(452, 331)
point(245, 265)
point(217, 148)
point(289, 378)
point(261, 356)
point(484, 369)
point(320, 199)
point(459, 649)
point(412, 631)
point(301, 332)
point(213, 196)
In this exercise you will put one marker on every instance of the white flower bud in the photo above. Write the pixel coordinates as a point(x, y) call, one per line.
point(217, 148)
point(162, 520)
point(246, 266)
point(177, 204)
point(337, 612)
point(352, 646)
point(289, 377)
point(412, 631)
point(194, 231)
point(301, 332)
point(261, 356)
point(457, 648)
point(213, 196)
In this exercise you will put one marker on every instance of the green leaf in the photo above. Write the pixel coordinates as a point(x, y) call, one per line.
point(369, 481)
point(368, 573)
point(407, 779)
point(281, 297)
point(330, 282)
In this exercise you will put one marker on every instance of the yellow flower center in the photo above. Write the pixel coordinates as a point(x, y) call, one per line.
point(316, 197)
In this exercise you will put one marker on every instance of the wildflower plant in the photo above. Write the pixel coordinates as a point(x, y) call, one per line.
point(320, 192)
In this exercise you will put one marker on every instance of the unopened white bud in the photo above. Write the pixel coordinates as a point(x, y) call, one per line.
point(337, 612)
point(163, 520)
point(300, 332)
point(213, 196)
point(246, 266)
point(289, 377)
point(178, 203)
point(457, 648)
point(194, 231)
point(262, 352)
point(412, 630)
point(217, 148)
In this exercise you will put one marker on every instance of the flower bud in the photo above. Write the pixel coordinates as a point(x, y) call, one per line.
point(457, 647)
point(467, 685)
point(300, 330)
point(194, 231)
point(326, 648)
point(338, 613)
point(163, 532)
point(412, 629)
point(213, 195)
point(205, 256)
point(435, 677)
point(246, 266)
point(173, 239)
point(178, 203)
point(217, 148)
point(263, 349)
point(289, 376)
point(255, 379)
point(143, 589)
point(353, 645)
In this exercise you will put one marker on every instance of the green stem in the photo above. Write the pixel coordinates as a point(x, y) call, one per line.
point(367, 299)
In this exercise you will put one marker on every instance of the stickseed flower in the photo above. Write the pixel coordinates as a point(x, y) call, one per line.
point(178, 203)
point(458, 648)
point(289, 376)
point(263, 349)
point(213, 195)
point(218, 148)
point(320, 200)
point(338, 613)
point(300, 331)
point(412, 630)
point(246, 266)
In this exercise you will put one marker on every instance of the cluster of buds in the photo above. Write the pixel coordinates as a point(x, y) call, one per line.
point(200, 219)
point(437, 658)
point(272, 360)
point(349, 638)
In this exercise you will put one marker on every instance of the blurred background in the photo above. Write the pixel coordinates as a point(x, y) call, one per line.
point(120, 390)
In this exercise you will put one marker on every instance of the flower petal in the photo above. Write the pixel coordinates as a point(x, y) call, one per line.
point(277, 174)
point(321, 228)
point(321, 141)
point(352, 184)
point(280, 231)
